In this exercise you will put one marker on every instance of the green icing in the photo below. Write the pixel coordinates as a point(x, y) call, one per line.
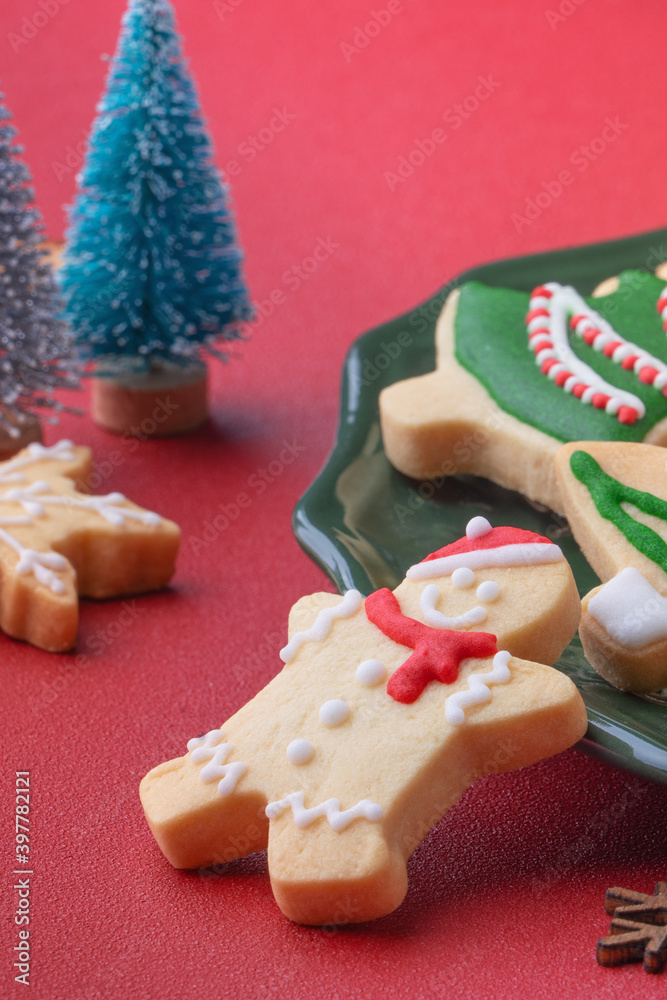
point(491, 342)
point(608, 495)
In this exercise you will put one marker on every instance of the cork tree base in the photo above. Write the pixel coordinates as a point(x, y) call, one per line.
point(29, 433)
point(158, 404)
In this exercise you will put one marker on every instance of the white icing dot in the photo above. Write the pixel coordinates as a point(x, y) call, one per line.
point(300, 751)
point(334, 712)
point(463, 577)
point(488, 591)
point(477, 527)
point(371, 672)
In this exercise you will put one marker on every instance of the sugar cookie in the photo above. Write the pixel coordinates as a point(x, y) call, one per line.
point(57, 543)
point(385, 759)
point(615, 498)
point(517, 375)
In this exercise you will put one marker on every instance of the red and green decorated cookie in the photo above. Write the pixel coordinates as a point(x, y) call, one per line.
point(520, 374)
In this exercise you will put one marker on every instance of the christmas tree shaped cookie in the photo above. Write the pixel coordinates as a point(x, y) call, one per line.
point(615, 498)
point(57, 543)
point(386, 710)
point(518, 375)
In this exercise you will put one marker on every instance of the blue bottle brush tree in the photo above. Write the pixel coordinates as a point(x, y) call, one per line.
point(36, 347)
point(152, 270)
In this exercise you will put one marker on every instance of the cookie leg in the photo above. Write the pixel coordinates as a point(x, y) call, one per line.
point(323, 877)
point(194, 825)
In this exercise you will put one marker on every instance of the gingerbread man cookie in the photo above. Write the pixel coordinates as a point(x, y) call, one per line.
point(615, 498)
point(57, 543)
point(386, 710)
point(518, 375)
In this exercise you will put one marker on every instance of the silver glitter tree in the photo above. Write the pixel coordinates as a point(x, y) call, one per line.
point(36, 347)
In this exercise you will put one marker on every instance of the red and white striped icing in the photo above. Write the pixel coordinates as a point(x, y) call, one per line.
point(554, 308)
point(662, 308)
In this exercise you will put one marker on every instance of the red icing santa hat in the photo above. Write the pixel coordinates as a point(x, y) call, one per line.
point(484, 547)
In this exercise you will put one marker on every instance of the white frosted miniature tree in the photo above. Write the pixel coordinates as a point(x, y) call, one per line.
point(36, 347)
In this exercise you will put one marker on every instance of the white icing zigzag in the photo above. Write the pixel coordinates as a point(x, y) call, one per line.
point(477, 692)
point(331, 809)
point(430, 596)
point(321, 627)
point(209, 748)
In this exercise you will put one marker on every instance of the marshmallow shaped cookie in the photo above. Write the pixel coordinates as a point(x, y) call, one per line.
point(57, 543)
point(615, 498)
point(517, 375)
point(386, 710)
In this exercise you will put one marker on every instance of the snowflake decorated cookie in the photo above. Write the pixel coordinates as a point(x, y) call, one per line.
point(519, 374)
point(57, 544)
point(615, 498)
point(387, 709)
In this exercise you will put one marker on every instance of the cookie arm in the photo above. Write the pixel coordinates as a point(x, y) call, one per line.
point(306, 610)
point(538, 714)
point(446, 423)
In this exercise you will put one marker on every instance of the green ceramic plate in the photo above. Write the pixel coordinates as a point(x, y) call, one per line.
point(364, 523)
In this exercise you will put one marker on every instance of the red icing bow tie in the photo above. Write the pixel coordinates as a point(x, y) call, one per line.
point(437, 652)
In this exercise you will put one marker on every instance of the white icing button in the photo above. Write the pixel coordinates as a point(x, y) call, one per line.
point(488, 591)
point(334, 712)
point(477, 527)
point(463, 577)
point(371, 672)
point(300, 751)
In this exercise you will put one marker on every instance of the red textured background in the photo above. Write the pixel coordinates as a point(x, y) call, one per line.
point(506, 894)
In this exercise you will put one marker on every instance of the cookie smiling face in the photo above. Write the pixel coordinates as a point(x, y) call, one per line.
point(501, 580)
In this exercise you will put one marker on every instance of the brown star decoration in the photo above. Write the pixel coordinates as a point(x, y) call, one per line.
point(638, 929)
